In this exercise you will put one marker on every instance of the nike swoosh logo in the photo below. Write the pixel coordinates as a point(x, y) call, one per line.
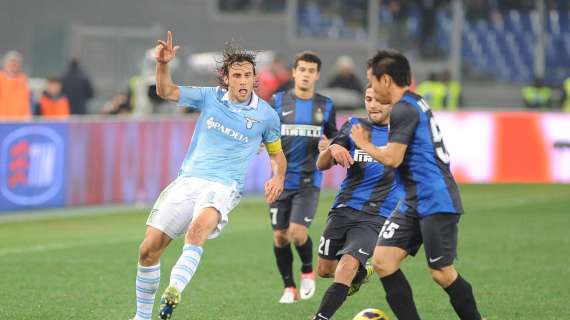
point(436, 259)
point(307, 219)
point(286, 113)
point(322, 317)
point(363, 252)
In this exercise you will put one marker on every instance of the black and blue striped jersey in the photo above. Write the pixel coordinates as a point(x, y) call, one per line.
point(303, 123)
point(424, 172)
point(369, 186)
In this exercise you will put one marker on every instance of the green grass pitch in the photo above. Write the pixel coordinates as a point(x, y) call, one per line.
point(513, 248)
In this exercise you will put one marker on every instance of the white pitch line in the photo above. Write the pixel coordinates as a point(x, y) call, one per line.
point(59, 246)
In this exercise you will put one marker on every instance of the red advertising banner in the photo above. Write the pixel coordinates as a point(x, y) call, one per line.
point(130, 161)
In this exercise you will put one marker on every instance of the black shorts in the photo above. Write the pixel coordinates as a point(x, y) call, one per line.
point(437, 232)
point(298, 206)
point(349, 231)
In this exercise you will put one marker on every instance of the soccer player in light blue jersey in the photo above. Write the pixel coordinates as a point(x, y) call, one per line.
point(233, 123)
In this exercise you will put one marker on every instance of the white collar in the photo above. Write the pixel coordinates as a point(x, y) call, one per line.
point(253, 102)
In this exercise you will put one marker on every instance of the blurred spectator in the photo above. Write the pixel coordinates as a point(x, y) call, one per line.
point(433, 91)
point(53, 104)
point(537, 95)
point(345, 75)
point(15, 98)
point(272, 78)
point(566, 95)
point(428, 45)
point(77, 87)
point(119, 104)
point(453, 90)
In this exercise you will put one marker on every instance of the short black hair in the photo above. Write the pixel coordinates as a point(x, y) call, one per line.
point(308, 56)
point(392, 63)
point(233, 54)
point(53, 79)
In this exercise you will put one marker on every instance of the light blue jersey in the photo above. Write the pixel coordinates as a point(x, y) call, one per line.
point(227, 135)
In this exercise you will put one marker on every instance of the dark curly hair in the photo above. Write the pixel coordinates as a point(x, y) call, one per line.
point(232, 54)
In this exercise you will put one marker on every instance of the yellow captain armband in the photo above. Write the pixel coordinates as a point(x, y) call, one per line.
point(274, 147)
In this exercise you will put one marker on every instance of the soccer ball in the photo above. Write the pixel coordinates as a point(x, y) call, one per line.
point(371, 314)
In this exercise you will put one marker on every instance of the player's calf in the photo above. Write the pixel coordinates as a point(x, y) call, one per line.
point(362, 276)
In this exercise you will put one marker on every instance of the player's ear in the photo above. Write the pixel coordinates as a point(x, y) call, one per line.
point(386, 80)
point(226, 80)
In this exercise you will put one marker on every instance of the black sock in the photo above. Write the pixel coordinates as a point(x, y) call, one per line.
point(360, 274)
point(332, 300)
point(399, 296)
point(462, 299)
point(284, 257)
point(306, 254)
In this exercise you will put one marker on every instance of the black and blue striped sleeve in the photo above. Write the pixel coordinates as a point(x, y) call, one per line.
point(404, 119)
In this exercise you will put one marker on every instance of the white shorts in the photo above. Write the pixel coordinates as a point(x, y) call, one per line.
point(185, 196)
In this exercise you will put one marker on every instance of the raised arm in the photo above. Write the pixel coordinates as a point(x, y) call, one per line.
point(164, 53)
point(334, 154)
point(391, 155)
point(404, 119)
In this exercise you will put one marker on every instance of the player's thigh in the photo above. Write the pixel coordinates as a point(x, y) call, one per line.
point(401, 231)
point(361, 236)
point(173, 210)
point(334, 235)
point(387, 260)
point(400, 236)
point(439, 233)
point(219, 200)
point(204, 224)
point(280, 210)
point(304, 206)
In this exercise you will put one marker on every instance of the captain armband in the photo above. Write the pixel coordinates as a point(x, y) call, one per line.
point(274, 147)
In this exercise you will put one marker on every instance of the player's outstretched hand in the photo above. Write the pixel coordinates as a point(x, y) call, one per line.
point(273, 189)
point(323, 144)
point(360, 135)
point(164, 51)
point(341, 155)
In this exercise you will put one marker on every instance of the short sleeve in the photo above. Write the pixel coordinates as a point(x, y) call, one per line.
point(272, 130)
point(404, 119)
point(330, 122)
point(343, 137)
point(194, 97)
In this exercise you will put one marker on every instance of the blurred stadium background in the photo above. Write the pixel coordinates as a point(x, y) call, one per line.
point(497, 72)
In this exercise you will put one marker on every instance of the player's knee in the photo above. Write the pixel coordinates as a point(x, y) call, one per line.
point(147, 255)
point(444, 277)
point(280, 238)
point(297, 235)
point(347, 266)
point(325, 270)
point(384, 267)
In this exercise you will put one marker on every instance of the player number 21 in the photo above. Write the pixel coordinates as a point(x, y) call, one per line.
point(324, 246)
